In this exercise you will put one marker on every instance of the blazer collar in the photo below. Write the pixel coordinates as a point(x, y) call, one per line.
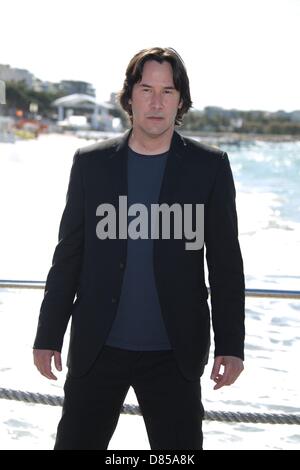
point(178, 144)
point(118, 166)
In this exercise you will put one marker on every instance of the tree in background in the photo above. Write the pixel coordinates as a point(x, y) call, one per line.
point(19, 97)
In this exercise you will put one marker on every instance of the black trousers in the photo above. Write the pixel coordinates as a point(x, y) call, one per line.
point(170, 404)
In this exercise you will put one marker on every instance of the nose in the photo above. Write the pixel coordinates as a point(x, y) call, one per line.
point(156, 100)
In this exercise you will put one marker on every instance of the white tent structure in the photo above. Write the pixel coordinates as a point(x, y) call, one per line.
point(85, 103)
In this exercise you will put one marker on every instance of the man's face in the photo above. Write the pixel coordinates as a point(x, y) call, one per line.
point(155, 101)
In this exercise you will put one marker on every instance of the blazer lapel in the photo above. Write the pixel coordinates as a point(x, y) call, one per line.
point(117, 167)
point(172, 170)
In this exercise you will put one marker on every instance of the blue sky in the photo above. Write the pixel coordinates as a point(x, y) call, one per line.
point(239, 53)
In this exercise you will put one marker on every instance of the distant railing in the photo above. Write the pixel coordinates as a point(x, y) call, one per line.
point(271, 293)
point(22, 284)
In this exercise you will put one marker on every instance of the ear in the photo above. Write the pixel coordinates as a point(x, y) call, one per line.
point(180, 104)
point(129, 101)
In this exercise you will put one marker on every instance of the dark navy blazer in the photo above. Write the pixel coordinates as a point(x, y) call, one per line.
point(92, 269)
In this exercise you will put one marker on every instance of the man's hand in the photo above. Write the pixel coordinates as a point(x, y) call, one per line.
point(233, 366)
point(43, 361)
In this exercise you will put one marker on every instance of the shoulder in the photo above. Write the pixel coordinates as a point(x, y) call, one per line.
point(202, 157)
point(200, 150)
point(102, 148)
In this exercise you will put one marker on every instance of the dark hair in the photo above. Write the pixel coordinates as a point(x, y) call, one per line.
point(135, 70)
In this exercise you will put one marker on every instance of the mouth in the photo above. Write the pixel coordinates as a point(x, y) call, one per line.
point(155, 118)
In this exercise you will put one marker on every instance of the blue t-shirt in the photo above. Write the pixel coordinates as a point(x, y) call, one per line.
point(139, 324)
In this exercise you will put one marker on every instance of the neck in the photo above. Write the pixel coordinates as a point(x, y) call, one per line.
point(148, 144)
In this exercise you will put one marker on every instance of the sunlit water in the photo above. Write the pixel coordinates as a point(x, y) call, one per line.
point(33, 181)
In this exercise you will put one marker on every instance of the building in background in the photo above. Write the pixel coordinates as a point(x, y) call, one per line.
point(64, 87)
point(10, 74)
point(71, 87)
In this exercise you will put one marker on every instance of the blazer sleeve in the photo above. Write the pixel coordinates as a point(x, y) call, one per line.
point(63, 277)
point(225, 265)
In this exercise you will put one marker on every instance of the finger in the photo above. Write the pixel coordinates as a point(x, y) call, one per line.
point(219, 385)
point(221, 381)
point(216, 368)
point(57, 360)
point(46, 369)
point(228, 378)
point(49, 375)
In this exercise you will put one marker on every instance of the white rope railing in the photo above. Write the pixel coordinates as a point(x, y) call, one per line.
point(55, 400)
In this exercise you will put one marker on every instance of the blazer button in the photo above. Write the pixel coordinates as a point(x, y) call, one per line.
point(114, 300)
point(122, 265)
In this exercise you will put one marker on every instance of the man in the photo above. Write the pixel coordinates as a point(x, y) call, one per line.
point(141, 316)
